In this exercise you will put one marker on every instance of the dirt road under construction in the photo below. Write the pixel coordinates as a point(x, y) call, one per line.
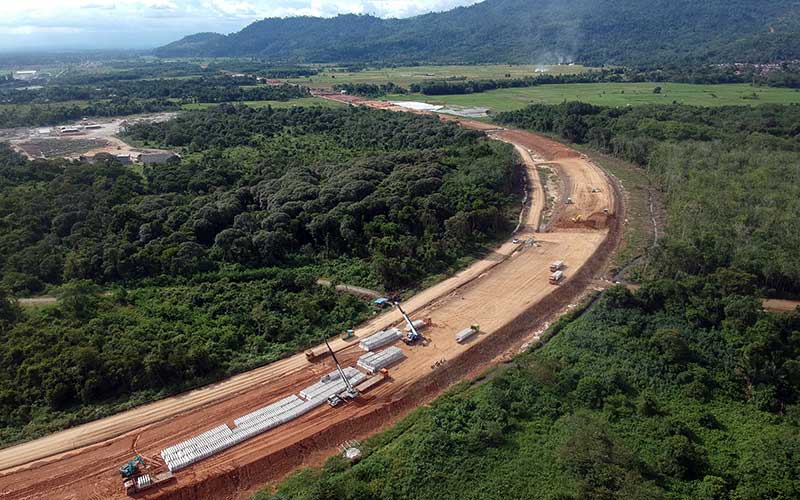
point(507, 293)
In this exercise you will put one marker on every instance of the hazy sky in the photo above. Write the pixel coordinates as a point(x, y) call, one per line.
point(36, 24)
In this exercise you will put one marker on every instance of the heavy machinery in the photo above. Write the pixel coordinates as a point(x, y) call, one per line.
point(350, 392)
point(316, 353)
point(466, 333)
point(348, 334)
point(413, 335)
point(420, 324)
point(371, 382)
point(145, 481)
point(132, 467)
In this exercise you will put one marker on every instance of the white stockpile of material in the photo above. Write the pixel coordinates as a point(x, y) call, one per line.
point(380, 339)
point(374, 361)
point(276, 408)
point(247, 426)
point(197, 448)
point(143, 481)
point(332, 384)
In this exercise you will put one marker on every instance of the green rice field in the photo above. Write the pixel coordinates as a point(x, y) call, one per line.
point(616, 94)
point(407, 75)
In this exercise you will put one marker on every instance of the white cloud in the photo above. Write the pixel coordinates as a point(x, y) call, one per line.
point(24, 24)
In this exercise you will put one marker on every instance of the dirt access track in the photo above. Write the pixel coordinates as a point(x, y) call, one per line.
point(506, 293)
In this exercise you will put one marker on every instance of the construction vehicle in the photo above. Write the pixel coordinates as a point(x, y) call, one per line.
point(371, 382)
point(466, 333)
point(577, 218)
point(556, 277)
point(131, 468)
point(349, 393)
point(419, 324)
point(556, 266)
point(316, 353)
point(145, 482)
point(568, 202)
point(321, 351)
point(413, 335)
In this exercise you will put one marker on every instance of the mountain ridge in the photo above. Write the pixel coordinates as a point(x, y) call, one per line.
point(524, 31)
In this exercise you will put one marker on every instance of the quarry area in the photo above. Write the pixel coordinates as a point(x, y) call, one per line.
point(223, 440)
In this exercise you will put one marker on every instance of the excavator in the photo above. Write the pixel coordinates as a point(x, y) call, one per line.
point(132, 467)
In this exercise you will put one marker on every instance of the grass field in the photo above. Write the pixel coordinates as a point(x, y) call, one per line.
point(407, 75)
point(304, 101)
point(616, 94)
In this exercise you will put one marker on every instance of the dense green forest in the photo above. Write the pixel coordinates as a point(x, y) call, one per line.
point(211, 261)
point(206, 89)
point(731, 175)
point(621, 32)
point(96, 354)
point(370, 89)
point(685, 390)
point(261, 187)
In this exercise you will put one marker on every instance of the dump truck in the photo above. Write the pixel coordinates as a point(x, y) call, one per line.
point(556, 266)
point(316, 353)
point(556, 277)
point(371, 382)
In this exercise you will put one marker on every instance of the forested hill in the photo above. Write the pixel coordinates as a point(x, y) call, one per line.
point(532, 31)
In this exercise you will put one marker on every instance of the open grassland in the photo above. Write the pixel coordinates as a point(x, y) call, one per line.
point(405, 76)
point(304, 101)
point(616, 94)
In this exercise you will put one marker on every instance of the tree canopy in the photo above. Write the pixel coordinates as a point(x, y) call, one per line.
point(525, 31)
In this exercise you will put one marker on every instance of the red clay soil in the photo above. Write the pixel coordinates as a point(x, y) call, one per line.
point(507, 294)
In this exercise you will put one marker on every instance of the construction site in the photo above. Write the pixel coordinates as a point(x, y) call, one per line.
point(224, 440)
point(84, 139)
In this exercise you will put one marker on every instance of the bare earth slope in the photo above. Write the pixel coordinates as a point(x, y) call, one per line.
point(507, 293)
